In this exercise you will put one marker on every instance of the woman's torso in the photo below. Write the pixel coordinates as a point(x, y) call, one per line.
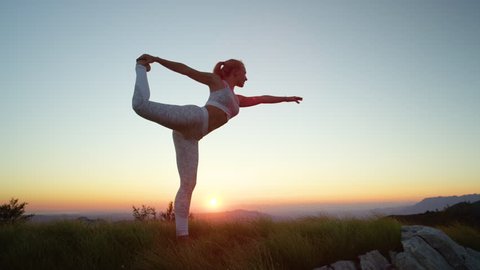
point(222, 105)
point(216, 117)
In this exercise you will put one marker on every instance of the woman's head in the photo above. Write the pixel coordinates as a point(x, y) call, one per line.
point(231, 69)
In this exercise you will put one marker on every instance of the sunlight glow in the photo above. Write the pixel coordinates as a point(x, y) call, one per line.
point(213, 203)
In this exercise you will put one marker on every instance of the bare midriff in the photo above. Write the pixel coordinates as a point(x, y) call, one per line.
point(216, 117)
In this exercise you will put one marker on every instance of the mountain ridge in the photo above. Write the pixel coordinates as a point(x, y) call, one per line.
point(426, 204)
point(466, 213)
point(429, 204)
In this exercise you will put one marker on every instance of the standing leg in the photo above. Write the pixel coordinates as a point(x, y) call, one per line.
point(187, 163)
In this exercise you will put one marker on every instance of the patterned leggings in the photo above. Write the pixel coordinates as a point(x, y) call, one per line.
point(189, 124)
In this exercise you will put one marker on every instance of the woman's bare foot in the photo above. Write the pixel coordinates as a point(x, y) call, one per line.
point(144, 63)
point(146, 60)
point(147, 57)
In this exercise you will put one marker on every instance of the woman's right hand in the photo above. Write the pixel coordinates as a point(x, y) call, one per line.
point(147, 58)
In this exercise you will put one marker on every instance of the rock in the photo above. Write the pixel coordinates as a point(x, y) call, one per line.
point(405, 261)
point(427, 256)
point(424, 248)
point(392, 255)
point(373, 260)
point(326, 267)
point(340, 265)
point(473, 259)
point(437, 245)
point(344, 265)
point(453, 253)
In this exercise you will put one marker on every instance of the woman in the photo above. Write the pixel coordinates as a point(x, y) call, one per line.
point(190, 123)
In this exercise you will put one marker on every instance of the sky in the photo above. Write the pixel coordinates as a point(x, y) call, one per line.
point(391, 109)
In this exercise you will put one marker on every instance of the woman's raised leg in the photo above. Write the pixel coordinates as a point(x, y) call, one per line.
point(141, 94)
point(180, 118)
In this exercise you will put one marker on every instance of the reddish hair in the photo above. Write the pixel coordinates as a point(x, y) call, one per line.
point(224, 69)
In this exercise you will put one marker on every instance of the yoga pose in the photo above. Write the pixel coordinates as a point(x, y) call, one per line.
point(191, 123)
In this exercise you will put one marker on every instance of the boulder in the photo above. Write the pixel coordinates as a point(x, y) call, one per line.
point(424, 248)
point(373, 260)
point(340, 265)
point(326, 267)
point(424, 254)
point(431, 246)
point(473, 259)
point(344, 265)
point(406, 261)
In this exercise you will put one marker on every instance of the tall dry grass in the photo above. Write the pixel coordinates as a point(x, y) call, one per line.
point(260, 244)
point(264, 244)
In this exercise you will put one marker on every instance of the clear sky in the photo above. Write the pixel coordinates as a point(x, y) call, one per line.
point(391, 107)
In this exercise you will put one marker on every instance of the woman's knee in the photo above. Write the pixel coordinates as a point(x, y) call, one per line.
point(188, 186)
point(140, 106)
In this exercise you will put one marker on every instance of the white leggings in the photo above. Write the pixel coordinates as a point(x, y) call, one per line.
point(189, 124)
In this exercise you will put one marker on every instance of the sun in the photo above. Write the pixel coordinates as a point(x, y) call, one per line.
point(213, 203)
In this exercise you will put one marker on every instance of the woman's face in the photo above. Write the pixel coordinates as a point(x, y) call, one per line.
point(241, 75)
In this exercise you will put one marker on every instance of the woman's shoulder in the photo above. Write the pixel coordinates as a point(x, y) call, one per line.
point(217, 83)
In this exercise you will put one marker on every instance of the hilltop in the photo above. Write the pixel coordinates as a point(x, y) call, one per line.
point(429, 204)
point(466, 213)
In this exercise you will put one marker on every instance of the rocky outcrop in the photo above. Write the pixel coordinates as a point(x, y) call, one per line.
point(423, 248)
point(343, 265)
point(432, 249)
point(374, 260)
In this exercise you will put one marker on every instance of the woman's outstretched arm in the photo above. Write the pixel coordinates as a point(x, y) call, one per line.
point(206, 78)
point(252, 101)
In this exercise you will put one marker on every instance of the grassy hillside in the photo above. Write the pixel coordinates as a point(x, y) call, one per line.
point(260, 244)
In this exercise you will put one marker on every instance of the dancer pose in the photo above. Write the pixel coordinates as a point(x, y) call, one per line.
point(191, 123)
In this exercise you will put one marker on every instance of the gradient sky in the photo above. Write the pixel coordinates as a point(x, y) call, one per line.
point(391, 107)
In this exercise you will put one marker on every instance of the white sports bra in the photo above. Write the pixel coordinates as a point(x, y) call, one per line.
point(226, 100)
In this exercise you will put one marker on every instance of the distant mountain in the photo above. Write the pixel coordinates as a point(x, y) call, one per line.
point(234, 215)
point(465, 213)
point(290, 211)
point(82, 216)
point(429, 204)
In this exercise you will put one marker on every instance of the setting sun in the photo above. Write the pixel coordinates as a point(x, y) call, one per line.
point(213, 203)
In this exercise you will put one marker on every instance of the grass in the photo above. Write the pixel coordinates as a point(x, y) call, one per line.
point(75, 245)
point(464, 235)
point(260, 244)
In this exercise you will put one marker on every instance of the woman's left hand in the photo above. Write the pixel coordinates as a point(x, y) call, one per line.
point(294, 99)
